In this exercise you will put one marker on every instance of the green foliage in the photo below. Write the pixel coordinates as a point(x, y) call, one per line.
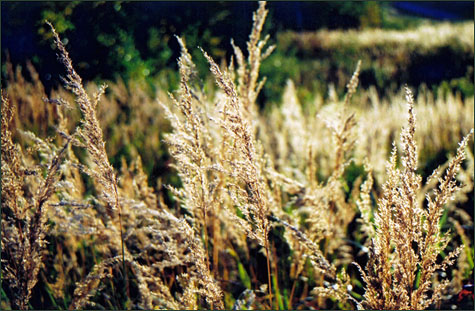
point(278, 295)
point(243, 276)
point(138, 44)
point(392, 20)
point(279, 67)
point(463, 85)
point(313, 60)
point(58, 13)
point(352, 172)
point(372, 16)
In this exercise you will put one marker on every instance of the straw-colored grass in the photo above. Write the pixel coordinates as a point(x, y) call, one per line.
point(263, 210)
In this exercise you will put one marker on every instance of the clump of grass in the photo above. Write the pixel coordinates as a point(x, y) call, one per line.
point(190, 144)
point(197, 280)
point(90, 137)
point(248, 86)
point(265, 212)
point(90, 133)
point(25, 195)
point(248, 191)
point(405, 248)
point(254, 200)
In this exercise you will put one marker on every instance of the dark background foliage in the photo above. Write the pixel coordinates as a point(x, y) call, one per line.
point(134, 40)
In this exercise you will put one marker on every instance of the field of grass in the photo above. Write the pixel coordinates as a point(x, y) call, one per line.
point(118, 197)
point(390, 58)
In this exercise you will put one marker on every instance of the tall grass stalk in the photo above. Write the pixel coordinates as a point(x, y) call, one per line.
point(91, 134)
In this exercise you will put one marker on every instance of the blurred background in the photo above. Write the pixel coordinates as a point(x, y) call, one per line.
point(318, 43)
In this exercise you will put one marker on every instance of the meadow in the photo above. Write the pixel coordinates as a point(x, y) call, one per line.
point(116, 197)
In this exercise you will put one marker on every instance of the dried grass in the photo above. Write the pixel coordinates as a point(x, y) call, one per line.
point(251, 186)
